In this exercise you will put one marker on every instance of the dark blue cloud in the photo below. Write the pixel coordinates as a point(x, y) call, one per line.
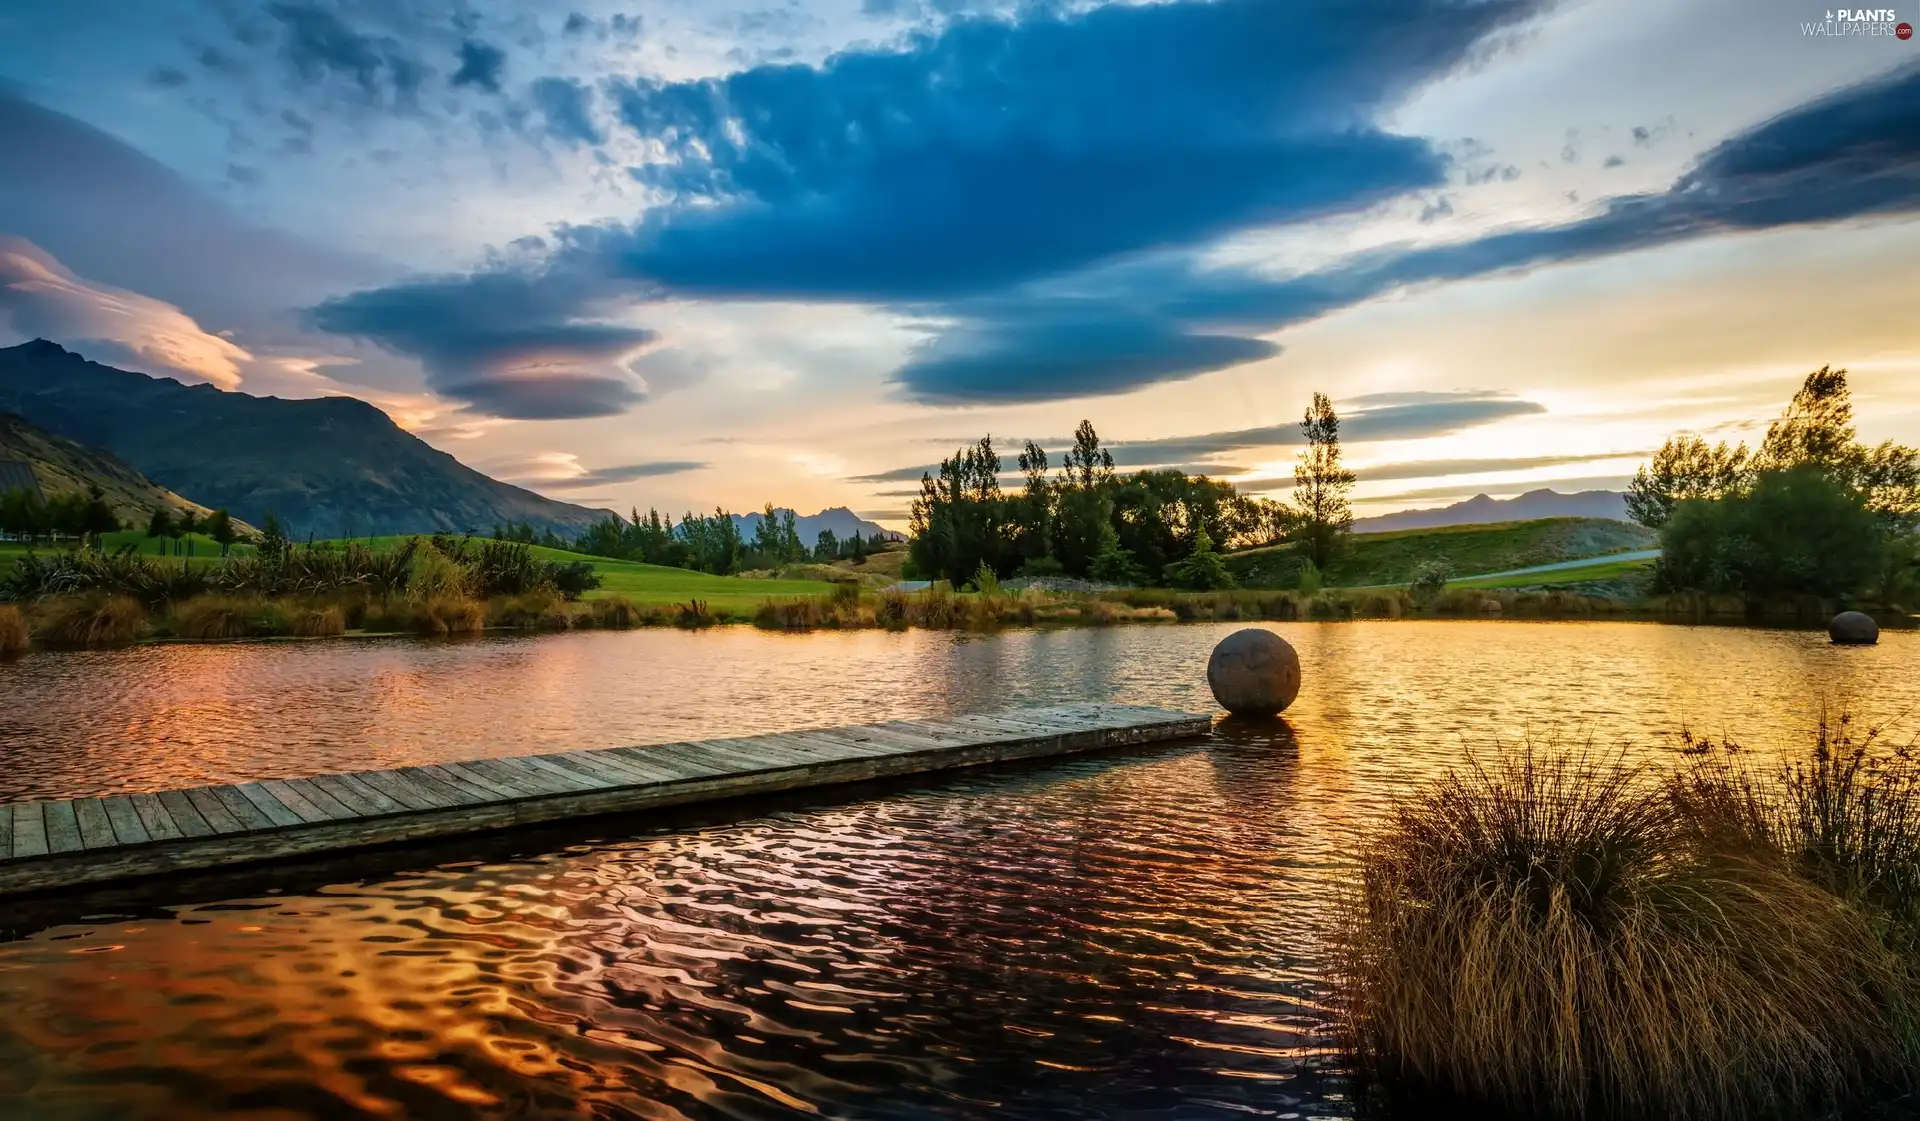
point(480, 66)
point(610, 476)
point(321, 49)
point(996, 152)
point(503, 343)
point(566, 106)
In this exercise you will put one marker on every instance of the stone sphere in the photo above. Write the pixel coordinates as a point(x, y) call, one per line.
point(1254, 672)
point(1854, 628)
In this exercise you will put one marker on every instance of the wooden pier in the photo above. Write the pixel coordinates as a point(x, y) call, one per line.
point(52, 845)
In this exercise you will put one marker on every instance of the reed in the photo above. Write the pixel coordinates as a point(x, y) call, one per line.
point(446, 615)
point(214, 617)
point(541, 609)
point(92, 620)
point(620, 613)
point(13, 632)
point(1554, 935)
point(324, 620)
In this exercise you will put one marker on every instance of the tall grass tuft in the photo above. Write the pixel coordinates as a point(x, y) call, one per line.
point(1553, 936)
point(13, 632)
point(446, 615)
point(216, 617)
point(541, 609)
point(324, 620)
point(97, 619)
point(620, 613)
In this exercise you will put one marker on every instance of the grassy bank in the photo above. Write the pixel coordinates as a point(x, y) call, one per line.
point(1564, 935)
point(1371, 559)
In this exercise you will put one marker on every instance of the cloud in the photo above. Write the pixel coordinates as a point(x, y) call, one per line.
point(321, 50)
point(566, 106)
point(40, 297)
point(503, 344)
point(564, 471)
point(936, 173)
point(1370, 417)
point(1443, 468)
point(1063, 355)
point(1564, 486)
point(480, 66)
point(118, 217)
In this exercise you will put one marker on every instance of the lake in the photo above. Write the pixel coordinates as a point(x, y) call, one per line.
point(1134, 934)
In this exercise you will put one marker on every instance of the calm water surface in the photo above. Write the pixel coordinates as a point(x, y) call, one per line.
point(1129, 935)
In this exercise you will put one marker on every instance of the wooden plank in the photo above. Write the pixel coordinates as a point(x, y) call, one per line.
point(277, 812)
point(405, 793)
point(29, 830)
point(185, 814)
point(128, 829)
point(455, 773)
point(368, 792)
point(469, 793)
point(96, 832)
point(242, 809)
point(568, 774)
point(63, 828)
point(534, 781)
point(366, 802)
point(156, 817)
point(219, 816)
point(62, 844)
point(320, 799)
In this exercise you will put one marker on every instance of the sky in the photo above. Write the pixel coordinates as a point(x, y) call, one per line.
point(698, 253)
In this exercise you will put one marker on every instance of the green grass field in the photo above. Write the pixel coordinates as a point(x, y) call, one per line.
point(1613, 570)
point(642, 583)
point(1392, 558)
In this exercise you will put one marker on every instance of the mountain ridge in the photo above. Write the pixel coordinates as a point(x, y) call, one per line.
point(327, 466)
point(1484, 509)
point(65, 467)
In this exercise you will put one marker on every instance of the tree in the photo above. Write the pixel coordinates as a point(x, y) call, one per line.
point(826, 547)
point(1684, 467)
point(1202, 570)
point(23, 514)
point(1793, 531)
point(1322, 516)
point(219, 526)
point(160, 524)
point(960, 519)
point(272, 544)
point(1083, 507)
point(95, 514)
point(791, 548)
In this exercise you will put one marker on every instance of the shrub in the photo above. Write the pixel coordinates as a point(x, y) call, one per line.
point(787, 614)
point(1792, 532)
point(985, 580)
point(436, 576)
point(13, 632)
point(616, 613)
point(892, 609)
point(573, 579)
point(322, 621)
point(1552, 936)
point(1202, 570)
point(693, 615)
point(150, 580)
point(1310, 579)
point(92, 620)
point(1429, 582)
point(225, 617)
point(845, 595)
point(447, 615)
point(538, 610)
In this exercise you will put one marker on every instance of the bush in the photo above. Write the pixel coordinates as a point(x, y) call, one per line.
point(617, 613)
point(436, 576)
point(1202, 570)
point(1310, 580)
point(447, 615)
point(693, 615)
point(322, 621)
point(92, 620)
point(573, 579)
point(892, 609)
point(1429, 582)
point(1556, 937)
point(1793, 532)
point(150, 580)
point(13, 632)
point(225, 617)
point(537, 610)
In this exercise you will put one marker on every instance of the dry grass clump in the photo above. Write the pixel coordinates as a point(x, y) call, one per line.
point(215, 617)
point(326, 620)
point(13, 632)
point(805, 613)
point(541, 609)
point(620, 613)
point(1555, 936)
point(96, 619)
point(446, 615)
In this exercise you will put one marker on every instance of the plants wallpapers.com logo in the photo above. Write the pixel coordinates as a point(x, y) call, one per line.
point(1842, 23)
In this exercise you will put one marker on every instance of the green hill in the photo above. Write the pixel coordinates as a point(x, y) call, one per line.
point(332, 466)
point(1392, 558)
point(62, 467)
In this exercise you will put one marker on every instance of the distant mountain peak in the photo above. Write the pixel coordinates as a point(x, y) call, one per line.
point(1541, 502)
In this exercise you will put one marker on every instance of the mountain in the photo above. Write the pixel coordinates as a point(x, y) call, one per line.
point(1481, 509)
point(839, 519)
point(61, 467)
point(329, 466)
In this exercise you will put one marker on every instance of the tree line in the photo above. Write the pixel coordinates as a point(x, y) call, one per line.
point(1088, 521)
point(1811, 511)
point(25, 516)
point(713, 542)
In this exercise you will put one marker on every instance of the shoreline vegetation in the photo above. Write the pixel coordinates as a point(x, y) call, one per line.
point(1568, 934)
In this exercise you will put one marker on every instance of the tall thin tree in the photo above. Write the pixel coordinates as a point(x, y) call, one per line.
point(1322, 515)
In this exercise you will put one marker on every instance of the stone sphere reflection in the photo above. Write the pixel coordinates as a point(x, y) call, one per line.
point(1254, 672)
